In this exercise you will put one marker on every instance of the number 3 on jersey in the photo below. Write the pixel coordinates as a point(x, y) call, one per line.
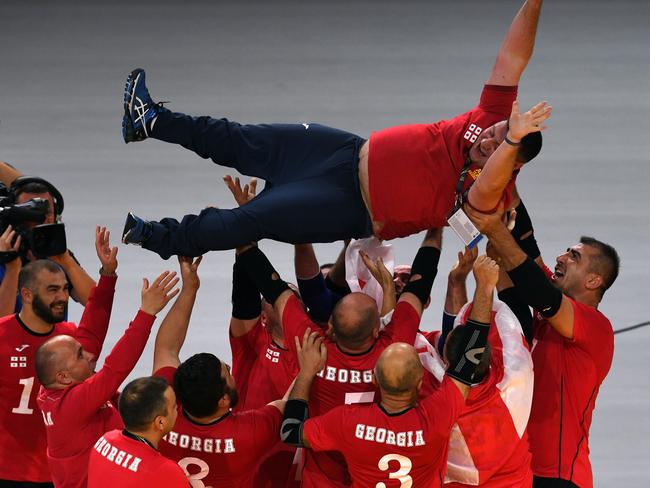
point(402, 474)
point(195, 479)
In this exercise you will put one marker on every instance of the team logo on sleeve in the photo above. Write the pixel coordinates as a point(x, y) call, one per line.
point(472, 133)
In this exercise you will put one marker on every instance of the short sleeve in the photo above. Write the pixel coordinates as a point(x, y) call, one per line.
point(444, 406)
point(324, 433)
point(167, 373)
point(593, 333)
point(404, 324)
point(264, 426)
point(498, 99)
point(295, 322)
point(244, 348)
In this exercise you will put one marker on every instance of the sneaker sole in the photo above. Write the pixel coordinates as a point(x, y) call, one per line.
point(128, 132)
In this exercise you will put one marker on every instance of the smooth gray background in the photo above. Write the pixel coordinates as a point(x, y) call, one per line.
point(360, 66)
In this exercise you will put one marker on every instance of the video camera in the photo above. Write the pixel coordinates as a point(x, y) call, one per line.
point(42, 240)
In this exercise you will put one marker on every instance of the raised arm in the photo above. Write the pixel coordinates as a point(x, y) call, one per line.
point(8, 173)
point(462, 369)
point(267, 280)
point(312, 355)
point(93, 325)
point(172, 331)
point(517, 47)
point(486, 193)
point(385, 279)
point(531, 283)
point(423, 271)
point(9, 246)
point(100, 387)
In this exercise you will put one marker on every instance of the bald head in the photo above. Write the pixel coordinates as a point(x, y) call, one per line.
point(54, 356)
point(354, 318)
point(398, 369)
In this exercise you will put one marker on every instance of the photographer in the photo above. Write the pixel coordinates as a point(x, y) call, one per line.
point(27, 203)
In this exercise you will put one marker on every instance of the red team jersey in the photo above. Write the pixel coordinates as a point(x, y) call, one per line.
point(75, 417)
point(22, 437)
point(428, 159)
point(488, 445)
point(120, 461)
point(568, 374)
point(391, 450)
point(226, 452)
point(263, 372)
point(346, 379)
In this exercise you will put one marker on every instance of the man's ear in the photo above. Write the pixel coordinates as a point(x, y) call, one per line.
point(593, 281)
point(224, 401)
point(63, 378)
point(26, 295)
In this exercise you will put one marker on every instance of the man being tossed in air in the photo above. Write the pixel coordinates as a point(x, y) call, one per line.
point(325, 184)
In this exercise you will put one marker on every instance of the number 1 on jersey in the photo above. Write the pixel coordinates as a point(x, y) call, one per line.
point(23, 406)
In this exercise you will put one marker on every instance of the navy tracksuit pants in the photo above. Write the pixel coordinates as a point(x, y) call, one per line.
point(312, 191)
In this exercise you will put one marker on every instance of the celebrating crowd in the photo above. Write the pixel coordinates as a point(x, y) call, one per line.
point(334, 381)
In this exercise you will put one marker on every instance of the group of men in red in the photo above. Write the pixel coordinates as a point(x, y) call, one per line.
point(329, 390)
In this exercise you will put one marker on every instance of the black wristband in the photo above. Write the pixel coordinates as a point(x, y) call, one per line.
point(425, 264)
point(535, 289)
point(295, 414)
point(7, 257)
point(511, 142)
point(246, 302)
point(263, 274)
point(463, 368)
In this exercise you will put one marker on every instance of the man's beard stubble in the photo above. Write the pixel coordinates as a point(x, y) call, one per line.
point(45, 312)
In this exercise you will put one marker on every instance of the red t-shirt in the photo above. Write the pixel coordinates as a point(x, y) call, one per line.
point(413, 169)
point(488, 445)
point(226, 452)
point(568, 374)
point(262, 370)
point(22, 437)
point(75, 417)
point(346, 379)
point(406, 449)
point(117, 460)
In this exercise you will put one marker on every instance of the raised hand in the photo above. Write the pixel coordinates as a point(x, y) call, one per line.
point(312, 354)
point(242, 195)
point(107, 255)
point(463, 266)
point(156, 295)
point(486, 272)
point(520, 125)
point(7, 238)
point(189, 271)
point(377, 269)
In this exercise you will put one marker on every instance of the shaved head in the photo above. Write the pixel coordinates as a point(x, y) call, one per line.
point(53, 356)
point(398, 369)
point(354, 318)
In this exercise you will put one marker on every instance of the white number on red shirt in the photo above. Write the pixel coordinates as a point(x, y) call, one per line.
point(195, 479)
point(359, 397)
point(23, 406)
point(402, 474)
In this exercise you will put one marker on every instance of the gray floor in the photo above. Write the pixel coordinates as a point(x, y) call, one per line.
point(361, 67)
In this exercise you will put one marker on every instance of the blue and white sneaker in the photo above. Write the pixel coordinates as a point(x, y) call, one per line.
point(140, 111)
point(136, 230)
